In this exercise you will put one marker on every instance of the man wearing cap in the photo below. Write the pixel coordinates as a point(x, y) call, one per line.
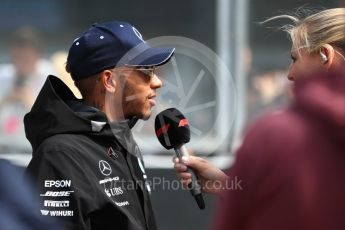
point(86, 165)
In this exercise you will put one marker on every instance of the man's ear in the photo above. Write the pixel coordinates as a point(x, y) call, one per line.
point(327, 51)
point(108, 81)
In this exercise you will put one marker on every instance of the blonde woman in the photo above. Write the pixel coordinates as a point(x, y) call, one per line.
point(318, 41)
point(289, 170)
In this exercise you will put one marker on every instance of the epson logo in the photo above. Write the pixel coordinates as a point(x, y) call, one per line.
point(57, 183)
point(57, 194)
point(54, 203)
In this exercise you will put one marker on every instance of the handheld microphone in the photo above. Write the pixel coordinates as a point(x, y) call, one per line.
point(172, 131)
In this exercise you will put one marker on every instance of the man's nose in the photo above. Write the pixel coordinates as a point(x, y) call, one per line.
point(156, 82)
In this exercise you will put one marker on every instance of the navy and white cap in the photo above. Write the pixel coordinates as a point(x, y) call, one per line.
point(111, 44)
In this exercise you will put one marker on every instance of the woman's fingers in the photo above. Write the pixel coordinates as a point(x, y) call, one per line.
point(185, 176)
point(186, 182)
point(175, 160)
point(180, 167)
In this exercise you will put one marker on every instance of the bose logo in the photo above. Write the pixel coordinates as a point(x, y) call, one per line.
point(57, 183)
point(57, 194)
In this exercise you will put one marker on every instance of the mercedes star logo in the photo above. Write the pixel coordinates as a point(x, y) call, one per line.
point(104, 167)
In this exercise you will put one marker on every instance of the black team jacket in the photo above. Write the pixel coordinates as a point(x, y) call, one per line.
point(88, 173)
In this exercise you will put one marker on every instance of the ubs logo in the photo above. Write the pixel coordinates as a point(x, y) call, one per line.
point(104, 167)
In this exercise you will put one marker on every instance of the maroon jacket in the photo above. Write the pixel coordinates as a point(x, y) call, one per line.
point(291, 166)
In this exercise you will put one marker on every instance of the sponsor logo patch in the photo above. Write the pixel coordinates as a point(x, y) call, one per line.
point(61, 213)
point(57, 183)
point(109, 180)
point(58, 204)
point(120, 204)
point(57, 213)
point(104, 167)
point(57, 194)
point(114, 191)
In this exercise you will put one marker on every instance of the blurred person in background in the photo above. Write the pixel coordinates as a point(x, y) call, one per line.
point(267, 90)
point(21, 81)
point(291, 163)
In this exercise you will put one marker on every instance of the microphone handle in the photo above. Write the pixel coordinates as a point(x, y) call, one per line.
point(194, 186)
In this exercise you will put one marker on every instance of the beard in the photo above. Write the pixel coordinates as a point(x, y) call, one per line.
point(135, 104)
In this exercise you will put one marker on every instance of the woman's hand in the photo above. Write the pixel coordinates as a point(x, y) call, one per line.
point(212, 179)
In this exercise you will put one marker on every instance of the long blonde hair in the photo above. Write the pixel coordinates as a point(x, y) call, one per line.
point(316, 30)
